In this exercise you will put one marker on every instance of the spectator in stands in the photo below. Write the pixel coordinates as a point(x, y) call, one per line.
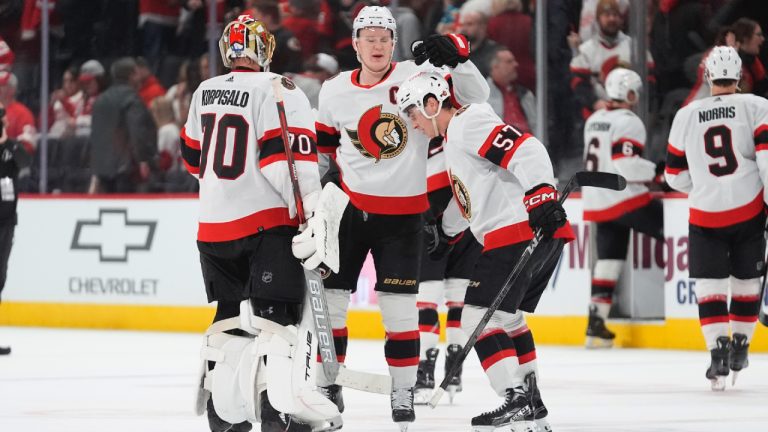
point(93, 81)
point(149, 86)
point(408, 29)
point(514, 29)
point(317, 69)
point(168, 133)
point(21, 122)
point(474, 25)
point(588, 27)
point(700, 90)
point(609, 48)
point(123, 137)
point(301, 20)
point(13, 158)
point(511, 101)
point(158, 20)
point(66, 104)
point(749, 37)
point(287, 56)
point(6, 56)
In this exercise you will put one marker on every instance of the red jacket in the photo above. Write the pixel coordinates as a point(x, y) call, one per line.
point(150, 89)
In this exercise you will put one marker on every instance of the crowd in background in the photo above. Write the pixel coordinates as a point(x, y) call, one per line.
point(123, 71)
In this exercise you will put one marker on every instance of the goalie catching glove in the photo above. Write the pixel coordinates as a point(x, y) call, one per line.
point(440, 50)
point(544, 210)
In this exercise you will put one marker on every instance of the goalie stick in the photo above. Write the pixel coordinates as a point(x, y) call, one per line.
point(315, 291)
point(583, 178)
point(763, 314)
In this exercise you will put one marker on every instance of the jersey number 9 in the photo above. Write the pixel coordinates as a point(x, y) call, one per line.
point(720, 148)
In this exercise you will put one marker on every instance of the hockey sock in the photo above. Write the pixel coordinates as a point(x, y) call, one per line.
point(401, 347)
point(604, 279)
point(713, 309)
point(455, 291)
point(429, 328)
point(526, 354)
point(494, 347)
point(745, 306)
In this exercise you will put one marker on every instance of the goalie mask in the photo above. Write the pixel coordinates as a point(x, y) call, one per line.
point(414, 92)
point(723, 63)
point(246, 37)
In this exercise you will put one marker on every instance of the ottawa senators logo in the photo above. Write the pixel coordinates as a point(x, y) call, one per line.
point(379, 135)
point(461, 110)
point(288, 83)
point(461, 194)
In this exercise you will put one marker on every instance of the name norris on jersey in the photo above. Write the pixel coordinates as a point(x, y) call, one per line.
point(599, 127)
point(226, 97)
point(717, 114)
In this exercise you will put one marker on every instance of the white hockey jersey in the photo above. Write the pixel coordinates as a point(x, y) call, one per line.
point(491, 166)
point(232, 142)
point(437, 173)
point(382, 159)
point(614, 142)
point(718, 154)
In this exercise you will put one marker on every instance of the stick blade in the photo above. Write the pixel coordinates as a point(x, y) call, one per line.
point(602, 180)
point(436, 396)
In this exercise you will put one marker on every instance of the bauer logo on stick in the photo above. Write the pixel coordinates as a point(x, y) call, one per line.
point(379, 135)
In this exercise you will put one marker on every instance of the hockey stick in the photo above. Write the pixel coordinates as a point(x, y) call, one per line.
point(580, 179)
point(763, 314)
point(315, 290)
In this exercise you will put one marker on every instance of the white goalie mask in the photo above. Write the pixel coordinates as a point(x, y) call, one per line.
point(723, 62)
point(417, 87)
point(374, 16)
point(620, 82)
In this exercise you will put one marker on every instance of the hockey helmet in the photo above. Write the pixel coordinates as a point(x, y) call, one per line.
point(374, 16)
point(723, 62)
point(620, 82)
point(246, 37)
point(415, 89)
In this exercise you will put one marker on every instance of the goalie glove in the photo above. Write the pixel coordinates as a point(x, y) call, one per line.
point(544, 210)
point(441, 50)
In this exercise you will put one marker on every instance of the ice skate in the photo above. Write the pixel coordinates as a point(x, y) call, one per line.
point(738, 359)
point(5, 350)
point(425, 378)
point(598, 335)
point(451, 356)
point(402, 407)
point(718, 368)
point(333, 393)
point(540, 412)
point(274, 421)
point(516, 413)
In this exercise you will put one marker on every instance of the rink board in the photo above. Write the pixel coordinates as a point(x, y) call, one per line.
point(131, 262)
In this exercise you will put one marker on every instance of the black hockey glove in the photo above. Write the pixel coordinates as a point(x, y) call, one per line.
point(544, 211)
point(659, 178)
point(440, 50)
point(439, 244)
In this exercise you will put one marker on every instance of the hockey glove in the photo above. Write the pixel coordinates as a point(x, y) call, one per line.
point(441, 50)
point(544, 211)
point(439, 244)
point(659, 178)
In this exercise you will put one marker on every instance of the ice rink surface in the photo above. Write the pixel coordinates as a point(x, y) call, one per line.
point(116, 381)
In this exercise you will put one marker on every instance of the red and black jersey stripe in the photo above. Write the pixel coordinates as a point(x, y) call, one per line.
point(493, 347)
point(402, 348)
point(303, 146)
point(761, 138)
point(676, 160)
point(626, 147)
point(328, 138)
point(501, 144)
point(525, 347)
point(744, 308)
point(190, 152)
point(713, 309)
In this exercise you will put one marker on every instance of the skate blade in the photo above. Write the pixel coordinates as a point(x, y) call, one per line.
point(598, 343)
point(734, 375)
point(403, 426)
point(521, 426)
point(543, 425)
point(422, 396)
point(718, 384)
point(331, 425)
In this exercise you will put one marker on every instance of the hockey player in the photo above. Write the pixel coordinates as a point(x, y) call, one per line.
point(718, 154)
point(383, 170)
point(502, 184)
point(445, 272)
point(255, 366)
point(615, 139)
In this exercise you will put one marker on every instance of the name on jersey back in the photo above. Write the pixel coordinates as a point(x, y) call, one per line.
point(717, 114)
point(235, 98)
point(599, 127)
